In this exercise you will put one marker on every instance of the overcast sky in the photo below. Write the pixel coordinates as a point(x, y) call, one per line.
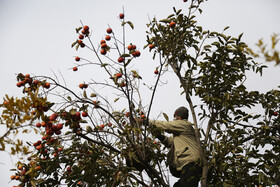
point(36, 37)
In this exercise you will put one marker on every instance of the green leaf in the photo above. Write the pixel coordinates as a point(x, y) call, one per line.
point(116, 99)
point(103, 64)
point(73, 111)
point(165, 21)
point(125, 55)
point(178, 12)
point(89, 129)
point(166, 116)
point(78, 29)
point(226, 28)
point(85, 94)
point(130, 24)
point(129, 60)
point(74, 43)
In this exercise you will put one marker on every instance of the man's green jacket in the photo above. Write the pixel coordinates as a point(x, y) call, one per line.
point(186, 148)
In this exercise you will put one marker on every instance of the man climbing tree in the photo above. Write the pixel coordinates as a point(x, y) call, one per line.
point(183, 157)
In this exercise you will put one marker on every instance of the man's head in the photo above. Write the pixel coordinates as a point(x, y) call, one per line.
point(181, 113)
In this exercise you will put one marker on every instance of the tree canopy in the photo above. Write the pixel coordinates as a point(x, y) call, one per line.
point(88, 138)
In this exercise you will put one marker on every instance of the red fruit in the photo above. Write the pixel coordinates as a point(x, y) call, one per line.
point(22, 171)
point(119, 75)
point(27, 76)
point(28, 80)
point(102, 41)
point(81, 85)
point(84, 114)
point(130, 47)
point(104, 45)
point(47, 85)
point(185, 0)
point(84, 32)
point(20, 168)
point(103, 51)
point(37, 168)
point(102, 126)
point(156, 71)
point(36, 82)
point(81, 36)
point(127, 114)
point(43, 124)
point(172, 24)
point(86, 28)
point(133, 46)
point(77, 59)
point(57, 132)
point(120, 59)
point(78, 116)
point(13, 177)
point(136, 53)
point(80, 42)
point(39, 147)
point(275, 113)
point(38, 125)
point(151, 46)
point(109, 124)
point(121, 15)
point(53, 117)
point(55, 154)
point(54, 128)
point(82, 45)
point(69, 169)
point(75, 69)
point(59, 126)
point(107, 37)
point(49, 132)
point(6, 102)
point(60, 149)
point(19, 84)
point(109, 30)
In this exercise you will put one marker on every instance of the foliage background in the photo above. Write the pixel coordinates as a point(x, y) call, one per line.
point(36, 38)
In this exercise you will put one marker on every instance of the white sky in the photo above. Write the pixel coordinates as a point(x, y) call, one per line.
point(36, 38)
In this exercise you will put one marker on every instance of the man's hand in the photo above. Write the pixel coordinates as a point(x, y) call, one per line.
point(157, 132)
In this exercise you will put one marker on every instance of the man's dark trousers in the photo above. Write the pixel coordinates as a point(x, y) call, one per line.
point(190, 176)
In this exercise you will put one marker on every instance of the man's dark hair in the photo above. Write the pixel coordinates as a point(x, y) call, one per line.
point(182, 112)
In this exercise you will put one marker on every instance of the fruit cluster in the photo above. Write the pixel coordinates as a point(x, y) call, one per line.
point(132, 50)
point(29, 84)
point(21, 175)
point(85, 33)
